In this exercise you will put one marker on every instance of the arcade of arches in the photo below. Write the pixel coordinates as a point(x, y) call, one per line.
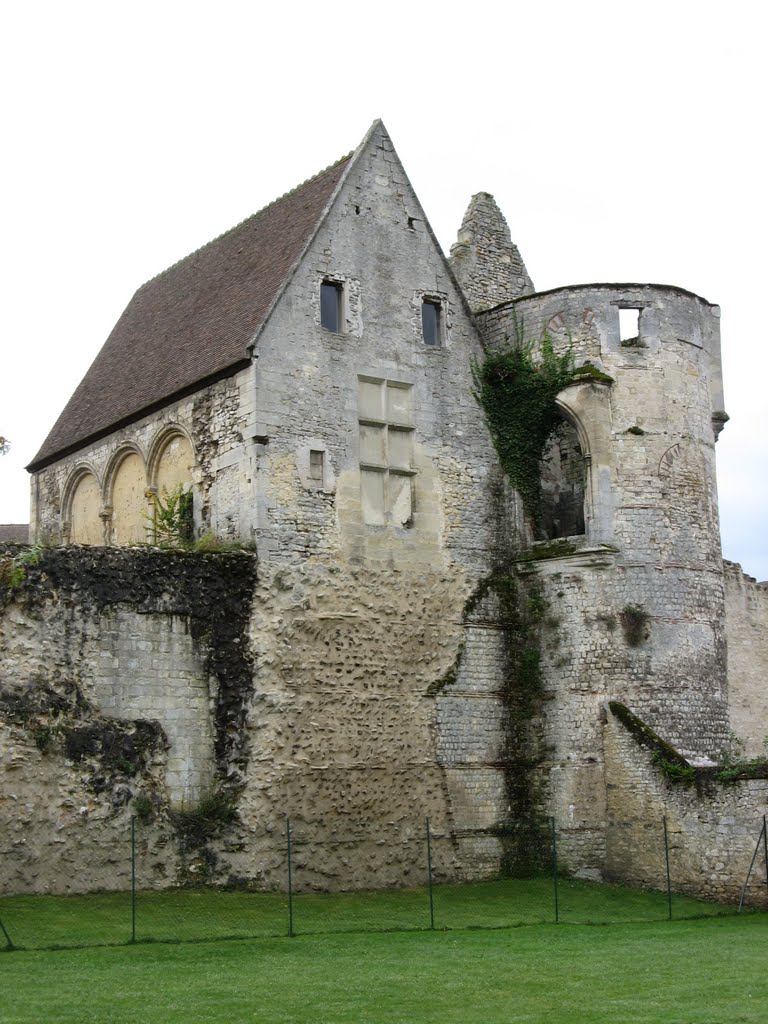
point(121, 513)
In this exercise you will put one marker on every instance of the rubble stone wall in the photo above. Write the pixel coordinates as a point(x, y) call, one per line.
point(746, 626)
point(713, 828)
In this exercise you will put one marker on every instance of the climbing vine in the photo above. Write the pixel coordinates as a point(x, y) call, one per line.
point(517, 394)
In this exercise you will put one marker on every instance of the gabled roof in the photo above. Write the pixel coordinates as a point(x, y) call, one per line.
point(193, 323)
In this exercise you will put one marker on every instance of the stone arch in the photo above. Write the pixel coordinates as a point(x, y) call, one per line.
point(171, 466)
point(83, 522)
point(127, 502)
point(171, 461)
point(564, 483)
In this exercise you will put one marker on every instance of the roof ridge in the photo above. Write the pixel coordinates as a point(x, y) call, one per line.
point(251, 216)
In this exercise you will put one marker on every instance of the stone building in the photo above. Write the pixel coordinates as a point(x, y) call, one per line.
point(307, 378)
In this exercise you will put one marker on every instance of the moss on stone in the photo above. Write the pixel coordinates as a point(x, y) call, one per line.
point(588, 371)
point(672, 763)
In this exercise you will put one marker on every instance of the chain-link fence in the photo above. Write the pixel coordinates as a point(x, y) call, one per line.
point(371, 879)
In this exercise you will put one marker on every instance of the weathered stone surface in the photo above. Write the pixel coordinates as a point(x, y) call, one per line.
point(712, 828)
point(487, 263)
point(746, 626)
point(374, 673)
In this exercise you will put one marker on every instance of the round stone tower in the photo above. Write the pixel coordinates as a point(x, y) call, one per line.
point(635, 603)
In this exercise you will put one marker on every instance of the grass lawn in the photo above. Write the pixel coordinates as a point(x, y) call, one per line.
point(707, 971)
point(201, 914)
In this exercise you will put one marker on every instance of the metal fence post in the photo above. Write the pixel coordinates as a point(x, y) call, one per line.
point(290, 879)
point(765, 849)
point(760, 839)
point(666, 861)
point(554, 869)
point(7, 936)
point(429, 879)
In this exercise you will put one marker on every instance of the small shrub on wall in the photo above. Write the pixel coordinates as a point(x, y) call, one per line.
point(171, 520)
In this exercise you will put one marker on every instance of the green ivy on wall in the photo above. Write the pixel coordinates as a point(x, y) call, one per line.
point(517, 392)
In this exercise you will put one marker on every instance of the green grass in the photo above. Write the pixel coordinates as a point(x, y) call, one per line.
point(681, 972)
point(203, 914)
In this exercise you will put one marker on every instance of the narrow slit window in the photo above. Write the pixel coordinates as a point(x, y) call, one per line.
point(330, 306)
point(629, 325)
point(431, 321)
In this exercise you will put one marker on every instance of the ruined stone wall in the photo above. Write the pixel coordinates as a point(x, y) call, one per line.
point(487, 264)
point(140, 683)
point(646, 418)
point(342, 730)
point(124, 686)
point(648, 441)
point(713, 828)
point(746, 627)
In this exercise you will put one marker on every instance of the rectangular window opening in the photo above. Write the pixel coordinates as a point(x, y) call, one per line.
point(629, 325)
point(316, 466)
point(330, 306)
point(431, 321)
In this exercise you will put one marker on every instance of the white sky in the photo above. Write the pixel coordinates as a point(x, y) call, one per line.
point(623, 143)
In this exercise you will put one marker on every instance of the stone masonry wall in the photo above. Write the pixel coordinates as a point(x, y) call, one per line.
point(312, 392)
point(487, 263)
point(713, 828)
point(646, 421)
point(122, 692)
point(374, 606)
point(342, 731)
point(746, 626)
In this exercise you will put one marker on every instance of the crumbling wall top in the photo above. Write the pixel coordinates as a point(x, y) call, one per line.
point(485, 260)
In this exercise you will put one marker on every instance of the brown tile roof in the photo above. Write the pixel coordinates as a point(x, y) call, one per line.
point(14, 533)
point(194, 322)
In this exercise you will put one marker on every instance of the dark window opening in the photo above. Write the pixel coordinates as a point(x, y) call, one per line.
point(330, 306)
point(412, 223)
point(562, 485)
point(431, 317)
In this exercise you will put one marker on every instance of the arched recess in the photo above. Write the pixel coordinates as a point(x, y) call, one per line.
point(587, 404)
point(171, 462)
point(171, 466)
point(83, 523)
point(127, 497)
point(563, 482)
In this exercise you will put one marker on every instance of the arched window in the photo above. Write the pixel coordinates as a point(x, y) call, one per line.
point(562, 484)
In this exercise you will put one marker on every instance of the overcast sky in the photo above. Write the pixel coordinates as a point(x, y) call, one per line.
point(622, 142)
